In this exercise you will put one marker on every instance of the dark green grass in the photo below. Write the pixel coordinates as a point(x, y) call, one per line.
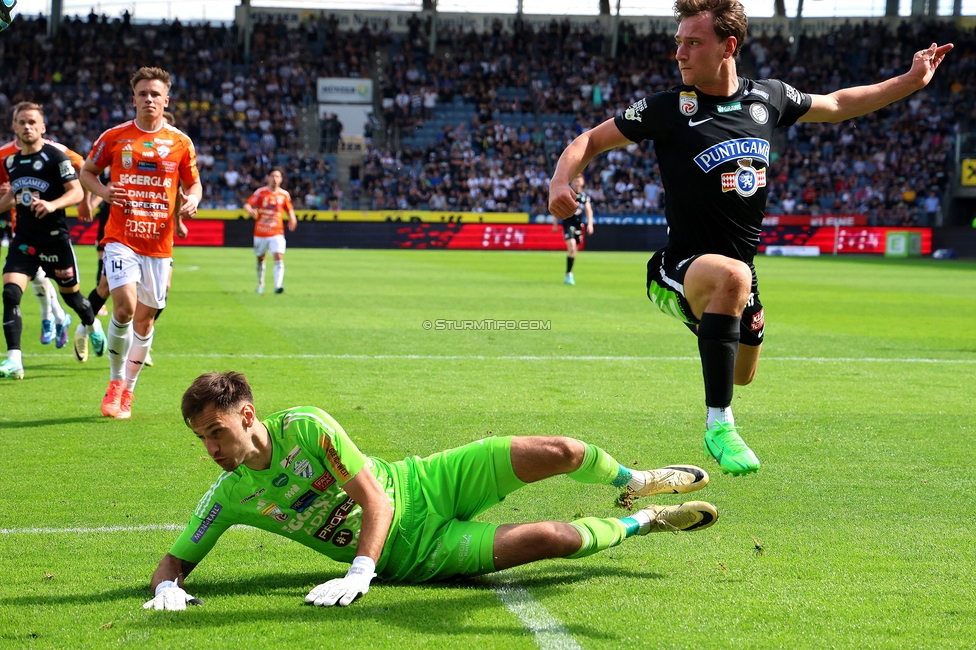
point(863, 507)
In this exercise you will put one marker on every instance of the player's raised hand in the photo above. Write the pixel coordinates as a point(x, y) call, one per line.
point(562, 201)
point(343, 591)
point(926, 61)
point(170, 596)
point(188, 204)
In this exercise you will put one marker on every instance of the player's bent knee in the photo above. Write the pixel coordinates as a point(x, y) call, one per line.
point(564, 452)
point(12, 294)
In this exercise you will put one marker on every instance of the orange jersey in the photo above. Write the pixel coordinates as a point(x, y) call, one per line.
point(272, 206)
point(12, 147)
point(150, 165)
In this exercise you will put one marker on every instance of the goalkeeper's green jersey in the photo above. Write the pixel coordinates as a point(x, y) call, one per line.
point(300, 496)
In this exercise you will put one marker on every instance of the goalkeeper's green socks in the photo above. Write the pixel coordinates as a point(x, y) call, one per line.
point(599, 467)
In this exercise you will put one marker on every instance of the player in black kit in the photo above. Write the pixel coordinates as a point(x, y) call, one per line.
point(573, 227)
point(43, 182)
point(712, 138)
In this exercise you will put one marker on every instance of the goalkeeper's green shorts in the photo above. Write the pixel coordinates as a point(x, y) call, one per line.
point(439, 495)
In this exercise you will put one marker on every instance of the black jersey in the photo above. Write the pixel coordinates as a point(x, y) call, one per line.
point(714, 154)
point(39, 175)
point(577, 217)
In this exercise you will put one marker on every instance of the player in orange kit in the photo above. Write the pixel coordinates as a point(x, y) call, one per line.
point(267, 206)
point(147, 159)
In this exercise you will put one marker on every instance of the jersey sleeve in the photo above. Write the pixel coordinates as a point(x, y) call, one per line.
point(101, 153)
point(288, 206)
point(77, 160)
point(790, 102)
point(206, 525)
point(66, 168)
point(254, 198)
point(644, 119)
point(338, 453)
point(4, 178)
point(188, 165)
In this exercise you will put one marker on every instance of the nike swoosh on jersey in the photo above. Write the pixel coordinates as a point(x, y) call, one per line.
point(693, 123)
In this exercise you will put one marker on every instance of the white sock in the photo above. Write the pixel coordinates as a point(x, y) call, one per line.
point(94, 327)
point(279, 273)
point(56, 310)
point(137, 355)
point(261, 272)
point(644, 520)
point(637, 480)
point(40, 290)
point(119, 342)
point(15, 356)
point(719, 415)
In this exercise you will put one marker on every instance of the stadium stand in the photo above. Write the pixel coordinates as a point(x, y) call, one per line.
point(479, 124)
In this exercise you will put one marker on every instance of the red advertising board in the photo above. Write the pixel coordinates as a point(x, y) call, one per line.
point(848, 240)
point(202, 233)
point(480, 236)
point(772, 220)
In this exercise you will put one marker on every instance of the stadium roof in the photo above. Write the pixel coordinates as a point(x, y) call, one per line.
point(223, 10)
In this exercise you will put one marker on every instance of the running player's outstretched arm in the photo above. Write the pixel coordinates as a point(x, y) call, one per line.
point(367, 492)
point(846, 103)
point(574, 159)
point(167, 584)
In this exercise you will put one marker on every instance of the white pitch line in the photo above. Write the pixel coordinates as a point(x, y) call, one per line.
point(548, 630)
point(478, 357)
point(86, 531)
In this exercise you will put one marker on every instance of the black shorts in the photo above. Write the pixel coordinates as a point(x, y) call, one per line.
point(573, 229)
point(102, 216)
point(56, 257)
point(665, 288)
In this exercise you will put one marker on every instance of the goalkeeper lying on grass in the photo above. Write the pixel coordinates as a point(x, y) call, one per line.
point(298, 474)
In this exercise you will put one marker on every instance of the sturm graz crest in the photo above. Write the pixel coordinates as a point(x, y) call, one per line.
point(746, 180)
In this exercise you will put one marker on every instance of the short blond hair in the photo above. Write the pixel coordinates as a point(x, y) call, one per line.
point(27, 106)
point(146, 73)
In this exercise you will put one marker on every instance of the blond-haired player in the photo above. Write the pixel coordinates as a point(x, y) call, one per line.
point(147, 159)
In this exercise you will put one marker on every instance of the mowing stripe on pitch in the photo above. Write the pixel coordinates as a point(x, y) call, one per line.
point(86, 531)
point(549, 632)
point(479, 357)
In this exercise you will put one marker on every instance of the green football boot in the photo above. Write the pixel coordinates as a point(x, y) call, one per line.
point(722, 442)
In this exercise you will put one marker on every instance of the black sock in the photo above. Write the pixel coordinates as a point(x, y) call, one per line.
point(718, 343)
point(569, 263)
point(13, 324)
point(98, 277)
point(159, 312)
point(81, 306)
point(96, 301)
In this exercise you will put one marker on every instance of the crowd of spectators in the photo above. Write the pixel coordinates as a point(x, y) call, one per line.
point(529, 92)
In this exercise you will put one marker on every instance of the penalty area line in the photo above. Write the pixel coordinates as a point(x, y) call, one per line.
point(548, 630)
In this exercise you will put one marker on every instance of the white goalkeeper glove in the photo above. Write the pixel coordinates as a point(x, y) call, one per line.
point(345, 590)
point(170, 596)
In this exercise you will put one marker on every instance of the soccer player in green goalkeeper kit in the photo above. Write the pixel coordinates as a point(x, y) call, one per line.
point(298, 474)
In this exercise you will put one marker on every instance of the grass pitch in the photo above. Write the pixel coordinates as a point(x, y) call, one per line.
point(857, 532)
